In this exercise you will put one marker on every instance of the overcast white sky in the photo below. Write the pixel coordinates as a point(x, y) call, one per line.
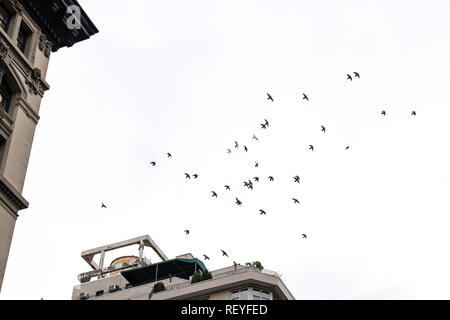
point(190, 78)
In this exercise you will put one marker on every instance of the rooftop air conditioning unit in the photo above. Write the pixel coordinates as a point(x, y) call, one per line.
point(114, 288)
point(84, 296)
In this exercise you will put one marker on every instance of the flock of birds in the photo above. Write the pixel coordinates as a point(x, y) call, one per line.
point(249, 183)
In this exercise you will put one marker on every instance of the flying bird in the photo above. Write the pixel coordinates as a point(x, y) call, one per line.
point(413, 113)
point(153, 163)
point(297, 179)
point(270, 178)
point(227, 187)
point(295, 200)
point(349, 77)
point(103, 206)
point(256, 179)
point(238, 202)
point(348, 147)
point(245, 149)
point(169, 155)
point(214, 194)
point(263, 126)
point(304, 236)
point(305, 97)
point(224, 253)
point(269, 97)
point(229, 151)
point(186, 231)
point(236, 144)
point(311, 147)
point(323, 129)
point(255, 138)
point(187, 176)
point(262, 212)
point(356, 74)
point(206, 257)
point(195, 176)
point(266, 123)
point(256, 164)
point(383, 113)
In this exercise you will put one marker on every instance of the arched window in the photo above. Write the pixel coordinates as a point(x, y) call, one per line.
point(5, 95)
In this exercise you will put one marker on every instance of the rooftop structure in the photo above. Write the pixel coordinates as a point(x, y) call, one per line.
point(137, 278)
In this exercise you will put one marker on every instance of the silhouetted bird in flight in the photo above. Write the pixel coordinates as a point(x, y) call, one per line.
point(256, 164)
point(356, 74)
point(255, 138)
point(266, 123)
point(269, 97)
point(214, 194)
point(256, 179)
point(245, 149)
point(262, 212)
point(305, 97)
point(206, 257)
point(103, 206)
point(227, 187)
point(169, 155)
point(349, 77)
point(304, 236)
point(229, 151)
point(297, 179)
point(153, 163)
point(413, 113)
point(311, 147)
point(323, 129)
point(348, 147)
point(263, 126)
point(195, 176)
point(383, 113)
point(238, 202)
point(186, 231)
point(187, 176)
point(224, 253)
point(236, 144)
point(295, 200)
point(270, 178)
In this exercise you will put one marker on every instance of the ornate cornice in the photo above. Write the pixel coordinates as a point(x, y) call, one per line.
point(12, 195)
point(51, 17)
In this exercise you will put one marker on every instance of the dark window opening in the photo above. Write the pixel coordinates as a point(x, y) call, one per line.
point(2, 148)
point(5, 17)
point(99, 293)
point(5, 96)
point(22, 38)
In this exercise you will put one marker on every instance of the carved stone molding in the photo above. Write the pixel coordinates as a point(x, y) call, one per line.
point(12, 195)
point(4, 50)
point(15, 5)
point(34, 82)
point(45, 45)
point(33, 78)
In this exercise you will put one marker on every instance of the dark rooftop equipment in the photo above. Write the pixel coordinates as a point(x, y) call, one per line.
point(181, 268)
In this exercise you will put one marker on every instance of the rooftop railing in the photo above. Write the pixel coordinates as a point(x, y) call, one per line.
point(242, 269)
